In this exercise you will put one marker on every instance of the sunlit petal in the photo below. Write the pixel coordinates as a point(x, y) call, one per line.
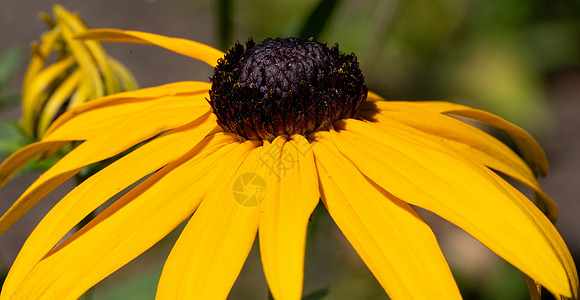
point(395, 243)
point(133, 130)
point(468, 195)
point(185, 47)
point(127, 228)
point(528, 147)
point(285, 214)
point(146, 94)
point(471, 142)
point(105, 184)
point(211, 250)
point(11, 165)
point(172, 111)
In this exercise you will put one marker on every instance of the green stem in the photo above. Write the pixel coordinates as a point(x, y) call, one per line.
point(224, 18)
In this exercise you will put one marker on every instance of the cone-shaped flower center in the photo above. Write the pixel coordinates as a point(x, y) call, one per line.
point(285, 86)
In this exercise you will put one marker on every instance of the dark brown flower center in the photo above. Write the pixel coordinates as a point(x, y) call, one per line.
point(285, 86)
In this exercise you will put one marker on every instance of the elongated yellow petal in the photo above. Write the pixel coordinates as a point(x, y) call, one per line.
point(106, 183)
point(473, 143)
point(56, 101)
point(185, 47)
point(528, 147)
point(92, 123)
point(211, 250)
point(11, 165)
point(135, 129)
point(438, 179)
point(82, 56)
point(552, 235)
point(127, 80)
point(39, 55)
point(32, 99)
point(292, 196)
point(81, 95)
point(392, 239)
point(146, 94)
point(92, 51)
point(130, 226)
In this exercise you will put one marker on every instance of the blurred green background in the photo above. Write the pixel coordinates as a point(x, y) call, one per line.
point(516, 58)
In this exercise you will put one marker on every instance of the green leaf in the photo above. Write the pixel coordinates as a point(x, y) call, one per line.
point(11, 138)
point(10, 61)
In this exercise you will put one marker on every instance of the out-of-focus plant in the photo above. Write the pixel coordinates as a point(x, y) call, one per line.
point(81, 71)
point(10, 60)
point(10, 138)
point(62, 73)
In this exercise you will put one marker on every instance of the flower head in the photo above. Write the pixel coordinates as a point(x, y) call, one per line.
point(257, 161)
point(64, 72)
point(285, 86)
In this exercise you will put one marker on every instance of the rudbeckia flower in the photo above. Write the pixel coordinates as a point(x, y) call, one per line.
point(283, 124)
point(64, 72)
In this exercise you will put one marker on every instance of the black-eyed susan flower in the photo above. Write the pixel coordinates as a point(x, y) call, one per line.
point(282, 124)
point(64, 72)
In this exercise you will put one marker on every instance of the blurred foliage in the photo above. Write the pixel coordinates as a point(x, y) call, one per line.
point(12, 137)
point(10, 61)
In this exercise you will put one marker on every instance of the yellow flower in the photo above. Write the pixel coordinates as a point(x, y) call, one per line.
point(309, 135)
point(78, 72)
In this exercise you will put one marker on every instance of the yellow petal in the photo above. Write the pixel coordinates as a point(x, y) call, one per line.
point(56, 101)
point(469, 195)
point(392, 239)
point(82, 56)
point(11, 165)
point(92, 123)
point(211, 250)
point(127, 80)
point(185, 47)
point(98, 188)
point(127, 228)
point(81, 95)
point(93, 52)
point(551, 234)
point(146, 94)
point(471, 142)
point(32, 98)
point(133, 130)
point(528, 147)
point(39, 55)
point(292, 196)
